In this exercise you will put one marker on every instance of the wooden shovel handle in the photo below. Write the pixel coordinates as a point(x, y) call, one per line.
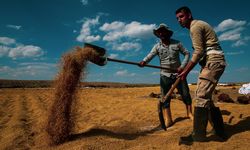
point(164, 98)
point(136, 63)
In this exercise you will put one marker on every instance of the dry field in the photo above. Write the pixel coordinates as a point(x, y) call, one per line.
point(110, 118)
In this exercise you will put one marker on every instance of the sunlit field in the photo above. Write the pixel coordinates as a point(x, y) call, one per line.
point(111, 118)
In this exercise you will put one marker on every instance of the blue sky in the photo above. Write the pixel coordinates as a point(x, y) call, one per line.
point(34, 34)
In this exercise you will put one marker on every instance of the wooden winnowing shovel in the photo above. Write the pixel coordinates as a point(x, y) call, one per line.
point(101, 60)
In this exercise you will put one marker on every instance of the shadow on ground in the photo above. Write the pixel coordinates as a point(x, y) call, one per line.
point(114, 133)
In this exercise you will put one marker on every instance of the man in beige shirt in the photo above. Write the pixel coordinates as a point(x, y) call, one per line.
point(208, 53)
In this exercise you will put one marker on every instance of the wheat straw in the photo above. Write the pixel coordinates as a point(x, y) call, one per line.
point(71, 72)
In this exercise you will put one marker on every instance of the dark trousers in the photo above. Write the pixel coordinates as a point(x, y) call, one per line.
point(183, 89)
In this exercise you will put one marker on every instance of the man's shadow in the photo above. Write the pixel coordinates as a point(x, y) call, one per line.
point(119, 134)
point(113, 134)
point(241, 126)
point(230, 130)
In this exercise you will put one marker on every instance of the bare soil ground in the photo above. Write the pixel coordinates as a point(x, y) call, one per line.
point(112, 118)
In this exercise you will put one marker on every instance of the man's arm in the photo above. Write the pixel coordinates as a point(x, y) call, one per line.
point(198, 42)
point(186, 54)
point(186, 70)
point(149, 57)
point(197, 38)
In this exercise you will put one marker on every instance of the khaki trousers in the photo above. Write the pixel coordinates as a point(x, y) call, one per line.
point(207, 81)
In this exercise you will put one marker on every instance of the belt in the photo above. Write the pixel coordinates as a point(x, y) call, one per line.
point(213, 48)
point(217, 52)
point(169, 71)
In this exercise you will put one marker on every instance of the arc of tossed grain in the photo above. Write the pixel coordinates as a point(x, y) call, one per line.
point(72, 67)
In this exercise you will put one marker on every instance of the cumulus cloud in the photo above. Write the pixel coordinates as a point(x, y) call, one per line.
point(113, 55)
point(4, 50)
point(124, 73)
point(235, 53)
point(242, 41)
point(136, 29)
point(85, 34)
point(84, 2)
point(116, 25)
point(242, 69)
point(25, 51)
point(29, 71)
point(7, 41)
point(121, 36)
point(117, 30)
point(231, 35)
point(233, 30)
point(126, 46)
point(14, 50)
point(229, 24)
point(17, 27)
point(4, 69)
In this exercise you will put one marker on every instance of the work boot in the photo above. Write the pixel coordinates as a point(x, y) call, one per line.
point(161, 117)
point(199, 127)
point(216, 120)
point(168, 117)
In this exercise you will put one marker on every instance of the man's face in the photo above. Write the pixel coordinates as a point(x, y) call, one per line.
point(163, 34)
point(184, 19)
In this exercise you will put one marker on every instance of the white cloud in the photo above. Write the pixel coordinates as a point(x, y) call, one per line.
point(45, 65)
point(4, 50)
point(242, 41)
point(112, 36)
point(113, 55)
point(25, 51)
point(124, 73)
point(17, 27)
point(231, 35)
point(84, 2)
point(117, 30)
point(136, 29)
point(126, 46)
point(233, 30)
point(119, 35)
point(242, 69)
point(7, 41)
point(13, 50)
point(29, 71)
point(235, 53)
point(85, 34)
point(116, 25)
point(4, 69)
point(229, 24)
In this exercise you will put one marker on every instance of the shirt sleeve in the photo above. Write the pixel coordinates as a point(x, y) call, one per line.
point(197, 38)
point(151, 54)
point(186, 54)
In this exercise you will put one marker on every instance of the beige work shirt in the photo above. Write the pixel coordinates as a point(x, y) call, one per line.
point(203, 37)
